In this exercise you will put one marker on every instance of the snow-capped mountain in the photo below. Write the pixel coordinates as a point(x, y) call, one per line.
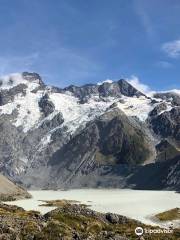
point(95, 135)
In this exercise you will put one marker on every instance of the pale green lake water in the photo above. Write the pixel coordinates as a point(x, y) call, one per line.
point(137, 204)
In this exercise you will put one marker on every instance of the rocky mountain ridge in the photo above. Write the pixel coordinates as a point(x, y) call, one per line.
point(90, 136)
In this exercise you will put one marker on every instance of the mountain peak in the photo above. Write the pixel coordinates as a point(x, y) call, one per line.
point(13, 80)
point(44, 128)
point(105, 89)
point(128, 90)
point(32, 76)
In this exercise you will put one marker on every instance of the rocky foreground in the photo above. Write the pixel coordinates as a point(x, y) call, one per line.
point(71, 221)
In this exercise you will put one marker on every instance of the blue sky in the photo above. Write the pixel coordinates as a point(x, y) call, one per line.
point(78, 41)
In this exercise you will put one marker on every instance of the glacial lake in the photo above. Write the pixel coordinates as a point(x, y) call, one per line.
point(137, 204)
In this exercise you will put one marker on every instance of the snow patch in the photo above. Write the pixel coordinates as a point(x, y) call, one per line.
point(169, 107)
point(26, 106)
point(9, 81)
point(19, 170)
point(136, 106)
point(177, 91)
point(28, 111)
point(46, 140)
point(76, 114)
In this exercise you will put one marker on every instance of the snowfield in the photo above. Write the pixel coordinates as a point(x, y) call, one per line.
point(75, 114)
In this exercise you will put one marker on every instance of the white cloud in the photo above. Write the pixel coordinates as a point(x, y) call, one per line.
point(105, 81)
point(177, 91)
point(135, 82)
point(172, 48)
point(145, 19)
point(164, 64)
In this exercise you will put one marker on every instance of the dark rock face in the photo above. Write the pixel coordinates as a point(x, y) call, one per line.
point(33, 76)
point(109, 89)
point(47, 107)
point(10, 146)
point(160, 107)
point(110, 140)
point(173, 178)
point(161, 175)
point(56, 121)
point(128, 90)
point(114, 218)
point(169, 96)
point(165, 151)
point(115, 89)
point(8, 95)
point(121, 139)
point(83, 92)
point(167, 124)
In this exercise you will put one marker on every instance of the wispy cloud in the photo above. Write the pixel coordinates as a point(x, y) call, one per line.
point(172, 48)
point(105, 81)
point(164, 64)
point(10, 64)
point(135, 82)
point(145, 18)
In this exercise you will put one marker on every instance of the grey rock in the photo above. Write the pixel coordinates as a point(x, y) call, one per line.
point(33, 76)
point(128, 90)
point(8, 95)
point(159, 175)
point(160, 107)
point(165, 150)
point(169, 96)
point(46, 106)
point(56, 121)
point(115, 89)
point(167, 124)
point(112, 218)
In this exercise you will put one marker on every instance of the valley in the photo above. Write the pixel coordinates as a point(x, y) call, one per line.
point(97, 135)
